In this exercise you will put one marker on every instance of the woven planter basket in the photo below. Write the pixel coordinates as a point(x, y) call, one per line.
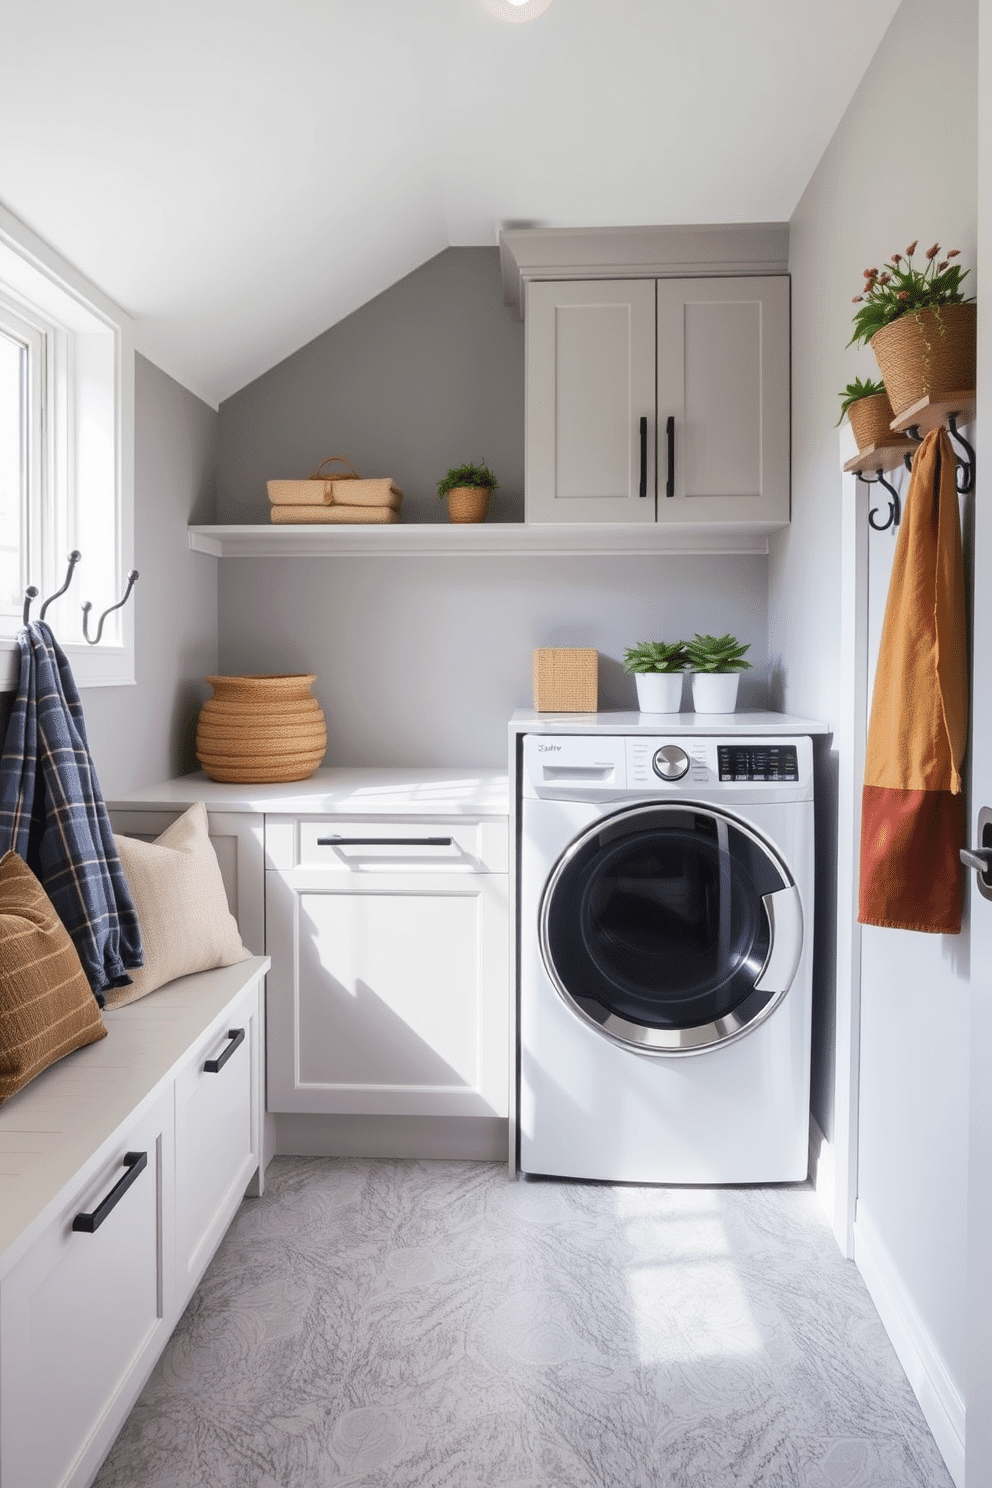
point(870, 419)
point(927, 353)
point(261, 729)
point(468, 503)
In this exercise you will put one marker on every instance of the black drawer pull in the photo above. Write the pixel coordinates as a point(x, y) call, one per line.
point(642, 489)
point(214, 1066)
point(670, 433)
point(135, 1162)
point(384, 841)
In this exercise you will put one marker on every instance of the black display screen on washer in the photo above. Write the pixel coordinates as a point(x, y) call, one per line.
point(758, 762)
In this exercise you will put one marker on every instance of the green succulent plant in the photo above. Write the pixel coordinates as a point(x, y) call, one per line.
point(706, 653)
point(857, 390)
point(900, 289)
point(468, 475)
point(655, 656)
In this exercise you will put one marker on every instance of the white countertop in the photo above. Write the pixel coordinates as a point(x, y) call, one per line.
point(526, 721)
point(352, 789)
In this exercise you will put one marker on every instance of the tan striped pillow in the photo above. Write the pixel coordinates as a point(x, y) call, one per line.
point(46, 1006)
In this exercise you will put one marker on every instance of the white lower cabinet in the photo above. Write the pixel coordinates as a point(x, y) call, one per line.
point(86, 1313)
point(120, 1169)
point(388, 993)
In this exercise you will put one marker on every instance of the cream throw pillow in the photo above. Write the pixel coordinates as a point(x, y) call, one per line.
point(181, 904)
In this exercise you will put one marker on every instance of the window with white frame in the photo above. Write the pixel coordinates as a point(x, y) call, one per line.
point(66, 456)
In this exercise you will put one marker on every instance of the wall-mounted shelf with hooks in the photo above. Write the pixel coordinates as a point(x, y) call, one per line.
point(912, 425)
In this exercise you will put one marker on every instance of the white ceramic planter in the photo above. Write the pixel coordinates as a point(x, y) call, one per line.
point(715, 692)
point(659, 692)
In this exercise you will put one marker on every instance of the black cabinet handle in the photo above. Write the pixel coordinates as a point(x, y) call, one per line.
point(643, 487)
point(135, 1162)
point(384, 841)
point(214, 1066)
point(670, 431)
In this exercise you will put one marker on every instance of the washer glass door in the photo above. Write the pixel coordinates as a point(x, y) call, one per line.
point(672, 928)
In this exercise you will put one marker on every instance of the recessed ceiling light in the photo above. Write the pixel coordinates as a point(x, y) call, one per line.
point(515, 11)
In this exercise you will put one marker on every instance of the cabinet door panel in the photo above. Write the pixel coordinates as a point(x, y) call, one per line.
point(590, 380)
point(217, 1121)
point(723, 372)
point(387, 996)
point(82, 1317)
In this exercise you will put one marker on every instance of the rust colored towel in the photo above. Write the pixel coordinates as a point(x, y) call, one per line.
point(912, 812)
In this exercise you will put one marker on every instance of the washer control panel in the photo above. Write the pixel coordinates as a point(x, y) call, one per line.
point(600, 766)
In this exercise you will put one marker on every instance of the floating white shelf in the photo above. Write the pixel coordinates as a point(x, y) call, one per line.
point(482, 539)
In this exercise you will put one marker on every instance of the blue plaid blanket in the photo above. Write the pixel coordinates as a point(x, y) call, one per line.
point(53, 816)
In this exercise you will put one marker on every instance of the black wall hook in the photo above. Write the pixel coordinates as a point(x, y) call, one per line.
point(895, 510)
point(965, 473)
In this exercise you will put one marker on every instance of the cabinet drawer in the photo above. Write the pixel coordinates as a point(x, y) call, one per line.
point(216, 1137)
point(83, 1314)
point(394, 844)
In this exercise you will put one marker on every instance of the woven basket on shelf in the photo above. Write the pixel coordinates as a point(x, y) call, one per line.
point(870, 419)
point(927, 353)
point(468, 503)
point(261, 729)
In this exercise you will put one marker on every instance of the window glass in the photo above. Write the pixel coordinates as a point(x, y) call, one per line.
point(13, 466)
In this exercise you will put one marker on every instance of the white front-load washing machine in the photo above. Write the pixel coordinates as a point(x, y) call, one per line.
point(665, 902)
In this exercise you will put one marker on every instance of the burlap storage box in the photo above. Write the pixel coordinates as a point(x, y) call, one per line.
point(316, 489)
point(566, 680)
point(333, 488)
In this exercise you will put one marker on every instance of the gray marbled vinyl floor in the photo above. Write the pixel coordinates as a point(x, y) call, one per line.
point(437, 1325)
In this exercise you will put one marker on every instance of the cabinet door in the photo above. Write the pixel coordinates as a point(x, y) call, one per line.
point(388, 992)
point(84, 1315)
point(217, 1136)
point(590, 382)
point(723, 377)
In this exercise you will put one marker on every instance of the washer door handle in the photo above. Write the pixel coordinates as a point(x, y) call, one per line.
point(785, 921)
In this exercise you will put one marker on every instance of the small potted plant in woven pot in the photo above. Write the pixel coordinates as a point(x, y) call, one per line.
point(716, 663)
point(657, 667)
point(468, 489)
point(869, 412)
point(920, 325)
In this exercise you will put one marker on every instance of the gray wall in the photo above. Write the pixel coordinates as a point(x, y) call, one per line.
point(144, 733)
point(422, 660)
point(428, 375)
point(902, 165)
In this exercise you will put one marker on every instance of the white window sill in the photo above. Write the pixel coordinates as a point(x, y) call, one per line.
point(92, 666)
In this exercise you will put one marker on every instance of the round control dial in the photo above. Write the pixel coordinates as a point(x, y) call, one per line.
point(670, 762)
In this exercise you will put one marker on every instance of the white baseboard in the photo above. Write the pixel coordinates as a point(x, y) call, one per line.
point(940, 1399)
point(477, 1139)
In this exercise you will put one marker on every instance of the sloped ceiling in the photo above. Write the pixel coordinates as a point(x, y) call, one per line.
point(241, 174)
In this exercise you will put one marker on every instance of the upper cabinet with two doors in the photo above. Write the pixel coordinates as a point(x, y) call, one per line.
point(655, 398)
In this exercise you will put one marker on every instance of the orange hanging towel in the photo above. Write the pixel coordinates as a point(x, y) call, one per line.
point(912, 809)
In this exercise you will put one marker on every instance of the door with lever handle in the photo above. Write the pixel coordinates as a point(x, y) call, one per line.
point(980, 857)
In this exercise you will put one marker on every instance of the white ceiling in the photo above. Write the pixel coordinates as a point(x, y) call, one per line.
point(241, 174)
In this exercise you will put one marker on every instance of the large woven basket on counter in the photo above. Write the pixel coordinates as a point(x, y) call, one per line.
point(261, 729)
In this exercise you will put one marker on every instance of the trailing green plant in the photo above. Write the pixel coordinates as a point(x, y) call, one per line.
point(468, 475)
point(655, 656)
point(901, 288)
point(857, 390)
point(706, 653)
